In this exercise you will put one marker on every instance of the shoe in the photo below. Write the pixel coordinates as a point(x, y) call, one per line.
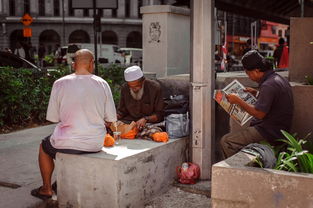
point(54, 187)
point(36, 193)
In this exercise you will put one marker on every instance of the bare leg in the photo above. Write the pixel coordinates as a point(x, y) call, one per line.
point(46, 165)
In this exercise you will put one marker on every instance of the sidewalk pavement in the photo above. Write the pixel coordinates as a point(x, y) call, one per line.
point(19, 166)
point(19, 169)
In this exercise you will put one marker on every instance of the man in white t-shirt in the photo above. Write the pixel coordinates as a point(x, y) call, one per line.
point(81, 103)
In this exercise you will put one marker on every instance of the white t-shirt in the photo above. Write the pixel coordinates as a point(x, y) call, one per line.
point(81, 104)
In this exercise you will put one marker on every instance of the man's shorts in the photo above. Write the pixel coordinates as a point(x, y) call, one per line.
point(51, 151)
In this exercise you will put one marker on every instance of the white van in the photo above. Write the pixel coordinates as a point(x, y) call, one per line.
point(132, 55)
point(106, 53)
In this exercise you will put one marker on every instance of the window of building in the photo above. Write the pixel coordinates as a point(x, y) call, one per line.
point(280, 33)
point(85, 12)
point(114, 12)
point(42, 8)
point(100, 12)
point(109, 37)
point(56, 5)
point(134, 40)
point(70, 8)
point(127, 8)
point(12, 8)
point(26, 6)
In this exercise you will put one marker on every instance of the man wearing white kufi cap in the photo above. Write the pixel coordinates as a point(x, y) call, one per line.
point(141, 99)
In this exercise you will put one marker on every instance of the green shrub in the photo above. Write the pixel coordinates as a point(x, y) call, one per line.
point(24, 94)
point(114, 75)
point(309, 80)
point(295, 158)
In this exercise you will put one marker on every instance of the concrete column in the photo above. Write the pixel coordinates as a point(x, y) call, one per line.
point(66, 8)
point(301, 51)
point(1, 7)
point(34, 8)
point(121, 9)
point(133, 8)
point(202, 77)
point(49, 7)
point(5, 6)
point(166, 40)
point(19, 8)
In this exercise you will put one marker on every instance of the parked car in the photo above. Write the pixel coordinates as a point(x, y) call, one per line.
point(132, 55)
point(12, 60)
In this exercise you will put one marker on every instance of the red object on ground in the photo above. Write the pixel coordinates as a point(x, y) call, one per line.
point(190, 175)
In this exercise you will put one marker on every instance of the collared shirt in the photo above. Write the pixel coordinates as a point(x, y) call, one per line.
point(150, 103)
point(276, 100)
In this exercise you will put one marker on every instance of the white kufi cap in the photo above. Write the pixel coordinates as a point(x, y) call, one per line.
point(132, 73)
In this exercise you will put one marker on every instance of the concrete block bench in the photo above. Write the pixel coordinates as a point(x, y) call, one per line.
point(127, 175)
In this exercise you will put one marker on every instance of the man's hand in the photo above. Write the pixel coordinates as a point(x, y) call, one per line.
point(141, 123)
point(251, 90)
point(233, 98)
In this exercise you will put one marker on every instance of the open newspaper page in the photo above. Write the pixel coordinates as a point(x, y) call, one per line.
point(235, 111)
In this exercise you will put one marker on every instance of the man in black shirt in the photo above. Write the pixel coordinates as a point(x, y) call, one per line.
point(272, 112)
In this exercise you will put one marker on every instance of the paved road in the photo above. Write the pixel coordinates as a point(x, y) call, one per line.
point(18, 165)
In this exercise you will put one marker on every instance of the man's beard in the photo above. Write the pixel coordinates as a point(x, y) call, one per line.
point(137, 95)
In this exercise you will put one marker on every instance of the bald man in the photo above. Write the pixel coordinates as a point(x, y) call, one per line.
point(80, 103)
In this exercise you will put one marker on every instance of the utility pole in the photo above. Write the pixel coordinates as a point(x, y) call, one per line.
point(63, 23)
point(95, 35)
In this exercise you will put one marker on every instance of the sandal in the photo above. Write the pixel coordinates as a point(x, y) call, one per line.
point(36, 193)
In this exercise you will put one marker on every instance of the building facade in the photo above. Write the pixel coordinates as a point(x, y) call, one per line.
point(56, 22)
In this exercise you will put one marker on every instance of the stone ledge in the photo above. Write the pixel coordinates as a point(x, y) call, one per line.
point(127, 175)
point(236, 185)
point(164, 9)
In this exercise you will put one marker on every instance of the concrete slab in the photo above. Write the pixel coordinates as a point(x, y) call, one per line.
point(234, 184)
point(127, 175)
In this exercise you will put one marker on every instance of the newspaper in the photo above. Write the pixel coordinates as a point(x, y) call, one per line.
point(235, 111)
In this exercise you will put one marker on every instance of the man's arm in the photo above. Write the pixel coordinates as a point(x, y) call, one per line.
point(158, 113)
point(235, 99)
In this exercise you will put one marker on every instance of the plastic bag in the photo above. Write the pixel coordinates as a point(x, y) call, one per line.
point(108, 141)
point(177, 125)
point(130, 134)
point(160, 137)
point(189, 173)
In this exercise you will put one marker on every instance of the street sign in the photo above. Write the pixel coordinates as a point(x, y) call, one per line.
point(26, 19)
point(27, 32)
point(100, 4)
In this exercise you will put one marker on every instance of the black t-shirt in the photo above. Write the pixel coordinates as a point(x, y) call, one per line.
point(276, 100)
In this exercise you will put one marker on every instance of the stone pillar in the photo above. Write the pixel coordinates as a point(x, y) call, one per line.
point(49, 7)
point(133, 8)
point(202, 77)
point(301, 51)
point(34, 8)
point(166, 40)
point(121, 9)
